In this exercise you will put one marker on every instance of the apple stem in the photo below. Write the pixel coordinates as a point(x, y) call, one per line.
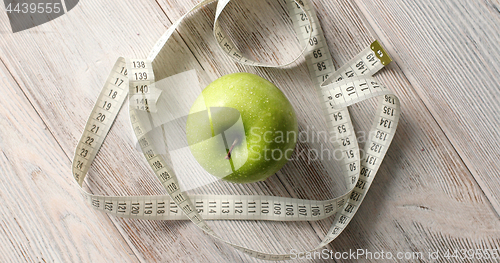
point(228, 156)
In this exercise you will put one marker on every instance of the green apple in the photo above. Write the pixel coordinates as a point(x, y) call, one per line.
point(241, 128)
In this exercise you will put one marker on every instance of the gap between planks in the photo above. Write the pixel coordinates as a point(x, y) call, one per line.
point(4, 67)
point(371, 25)
point(287, 187)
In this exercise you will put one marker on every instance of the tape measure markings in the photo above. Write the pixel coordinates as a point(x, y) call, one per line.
point(362, 64)
point(346, 86)
point(113, 93)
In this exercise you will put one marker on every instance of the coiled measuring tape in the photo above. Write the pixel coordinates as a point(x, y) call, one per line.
point(337, 90)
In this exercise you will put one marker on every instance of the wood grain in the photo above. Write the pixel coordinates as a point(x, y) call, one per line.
point(43, 217)
point(120, 168)
point(449, 52)
point(430, 171)
point(423, 199)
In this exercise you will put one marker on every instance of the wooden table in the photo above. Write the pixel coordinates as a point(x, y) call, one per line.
point(437, 189)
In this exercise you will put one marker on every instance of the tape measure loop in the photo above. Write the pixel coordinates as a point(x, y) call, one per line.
point(227, 45)
point(337, 90)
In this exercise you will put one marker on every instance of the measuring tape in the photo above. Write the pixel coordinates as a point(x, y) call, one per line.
point(337, 90)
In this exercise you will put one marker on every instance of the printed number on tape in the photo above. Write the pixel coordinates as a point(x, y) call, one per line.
point(336, 90)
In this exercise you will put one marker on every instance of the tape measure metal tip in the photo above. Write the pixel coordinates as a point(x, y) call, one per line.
point(350, 84)
point(381, 53)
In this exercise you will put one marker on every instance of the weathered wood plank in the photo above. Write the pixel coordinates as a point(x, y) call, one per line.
point(421, 160)
point(42, 216)
point(449, 52)
point(423, 194)
point(62, 77)
point(420, 201)
point(44, 64)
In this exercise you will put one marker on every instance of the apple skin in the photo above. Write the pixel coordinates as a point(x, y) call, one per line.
point(264, 142)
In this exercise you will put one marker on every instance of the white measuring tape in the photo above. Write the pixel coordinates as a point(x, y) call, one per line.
point(337, 89)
